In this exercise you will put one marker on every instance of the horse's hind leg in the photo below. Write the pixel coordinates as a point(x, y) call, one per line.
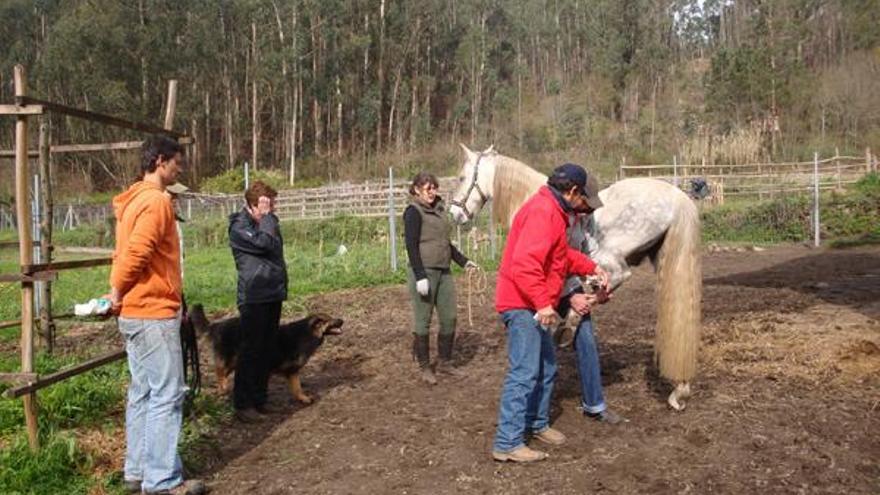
point(676, 398)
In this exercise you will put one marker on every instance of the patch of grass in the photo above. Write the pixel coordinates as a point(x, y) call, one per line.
point(851, 216)
point(58, 467)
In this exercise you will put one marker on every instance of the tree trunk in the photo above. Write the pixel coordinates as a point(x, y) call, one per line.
point(255, 114)
point(380, 78)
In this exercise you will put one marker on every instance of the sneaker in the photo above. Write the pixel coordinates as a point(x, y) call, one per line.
point(607, 416)
point(550, 436)
point(522, 454)
point(188, 487)
point(269, 409)
point(249, 415)
point(132, 486)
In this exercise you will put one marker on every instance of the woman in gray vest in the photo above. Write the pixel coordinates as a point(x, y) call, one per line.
point(430, 282)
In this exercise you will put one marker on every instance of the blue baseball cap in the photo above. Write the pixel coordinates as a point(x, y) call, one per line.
point(587, 183)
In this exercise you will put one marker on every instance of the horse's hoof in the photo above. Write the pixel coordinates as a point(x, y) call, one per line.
point(675, 404)
point(682, 391)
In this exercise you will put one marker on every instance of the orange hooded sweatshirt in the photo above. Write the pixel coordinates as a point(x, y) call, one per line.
point(146, 261)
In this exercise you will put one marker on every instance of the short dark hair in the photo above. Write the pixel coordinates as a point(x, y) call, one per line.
point(155, 147)
point(562, 184)
point(259, 188)
point(420, 180)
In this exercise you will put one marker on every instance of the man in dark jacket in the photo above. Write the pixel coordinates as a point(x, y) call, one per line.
point(255, 239)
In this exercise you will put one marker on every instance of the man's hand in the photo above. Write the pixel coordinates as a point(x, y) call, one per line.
point(604, 278)
point(581, 303)
point(547, 317)
point(422, 287)
point(115, 301)
point(603, 296)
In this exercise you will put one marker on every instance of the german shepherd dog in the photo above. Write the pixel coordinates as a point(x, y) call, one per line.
point(297, 341)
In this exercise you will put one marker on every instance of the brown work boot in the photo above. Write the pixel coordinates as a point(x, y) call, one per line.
point(550, 436)
point(522, 454)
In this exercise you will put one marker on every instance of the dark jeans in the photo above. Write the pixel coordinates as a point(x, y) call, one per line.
point(259, 331)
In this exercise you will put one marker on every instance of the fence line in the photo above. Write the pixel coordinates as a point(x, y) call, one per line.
point(371, 199)
point(760, 179)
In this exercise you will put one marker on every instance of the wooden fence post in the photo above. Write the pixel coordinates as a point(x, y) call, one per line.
point(25, 249)
point(868, 164)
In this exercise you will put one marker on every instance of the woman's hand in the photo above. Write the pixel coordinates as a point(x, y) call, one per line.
point(470, 265)
point(422, 287)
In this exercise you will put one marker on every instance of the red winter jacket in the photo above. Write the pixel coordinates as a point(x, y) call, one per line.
point(537, 258)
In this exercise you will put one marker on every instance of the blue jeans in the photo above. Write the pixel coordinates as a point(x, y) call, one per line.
point(154, 410)
point(528, 386)
point(588, 367)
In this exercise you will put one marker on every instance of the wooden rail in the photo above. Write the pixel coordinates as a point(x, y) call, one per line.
point(65, 265)
point(45, 381)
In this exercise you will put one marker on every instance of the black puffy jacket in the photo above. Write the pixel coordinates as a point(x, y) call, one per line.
point(259, 258)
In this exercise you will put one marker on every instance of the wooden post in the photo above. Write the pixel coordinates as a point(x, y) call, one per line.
point(867, 160)
point(816, 240)
point(25, 250)
point(47, 325)
point(837, 165)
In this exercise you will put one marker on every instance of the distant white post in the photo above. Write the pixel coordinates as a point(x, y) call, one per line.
point(392, 225)
point(816, 199)
point(246, 177)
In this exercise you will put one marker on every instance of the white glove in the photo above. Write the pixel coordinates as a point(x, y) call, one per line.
point(422, 287)
point(470, 265)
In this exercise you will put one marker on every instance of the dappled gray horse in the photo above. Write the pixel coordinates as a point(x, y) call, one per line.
point(641, 218)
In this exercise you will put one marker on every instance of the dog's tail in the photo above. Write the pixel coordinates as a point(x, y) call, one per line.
point(199, 320)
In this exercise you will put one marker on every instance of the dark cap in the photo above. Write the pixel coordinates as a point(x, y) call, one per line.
point(587, 183)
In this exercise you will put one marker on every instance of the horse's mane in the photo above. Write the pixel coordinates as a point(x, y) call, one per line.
point(514, 183)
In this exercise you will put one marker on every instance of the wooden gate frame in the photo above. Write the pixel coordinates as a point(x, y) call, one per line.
point(24, 107)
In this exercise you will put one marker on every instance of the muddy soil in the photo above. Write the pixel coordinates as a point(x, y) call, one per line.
point(787, 400)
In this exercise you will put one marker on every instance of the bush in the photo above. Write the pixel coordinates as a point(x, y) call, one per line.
point(232, 181)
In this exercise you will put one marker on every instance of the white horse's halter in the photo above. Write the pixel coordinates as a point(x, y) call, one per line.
point(462, 203)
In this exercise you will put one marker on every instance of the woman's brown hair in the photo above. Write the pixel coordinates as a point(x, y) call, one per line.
point(420, 180)
point(257, 189)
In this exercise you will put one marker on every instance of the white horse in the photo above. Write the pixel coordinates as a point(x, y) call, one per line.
point(640, 218)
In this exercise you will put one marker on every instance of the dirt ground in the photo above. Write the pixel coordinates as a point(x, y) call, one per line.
point(787, 399)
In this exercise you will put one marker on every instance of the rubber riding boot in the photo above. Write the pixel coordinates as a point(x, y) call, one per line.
point(445, 366)
point(421, 353)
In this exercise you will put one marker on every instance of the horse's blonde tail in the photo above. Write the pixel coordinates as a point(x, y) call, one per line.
point(679, 269)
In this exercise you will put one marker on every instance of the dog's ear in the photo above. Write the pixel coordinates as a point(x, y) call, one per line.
point(316, 325)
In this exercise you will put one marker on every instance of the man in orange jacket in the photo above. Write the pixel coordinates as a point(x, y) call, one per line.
point(145, 284)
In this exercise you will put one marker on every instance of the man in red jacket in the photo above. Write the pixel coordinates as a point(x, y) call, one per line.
point(537, 259)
